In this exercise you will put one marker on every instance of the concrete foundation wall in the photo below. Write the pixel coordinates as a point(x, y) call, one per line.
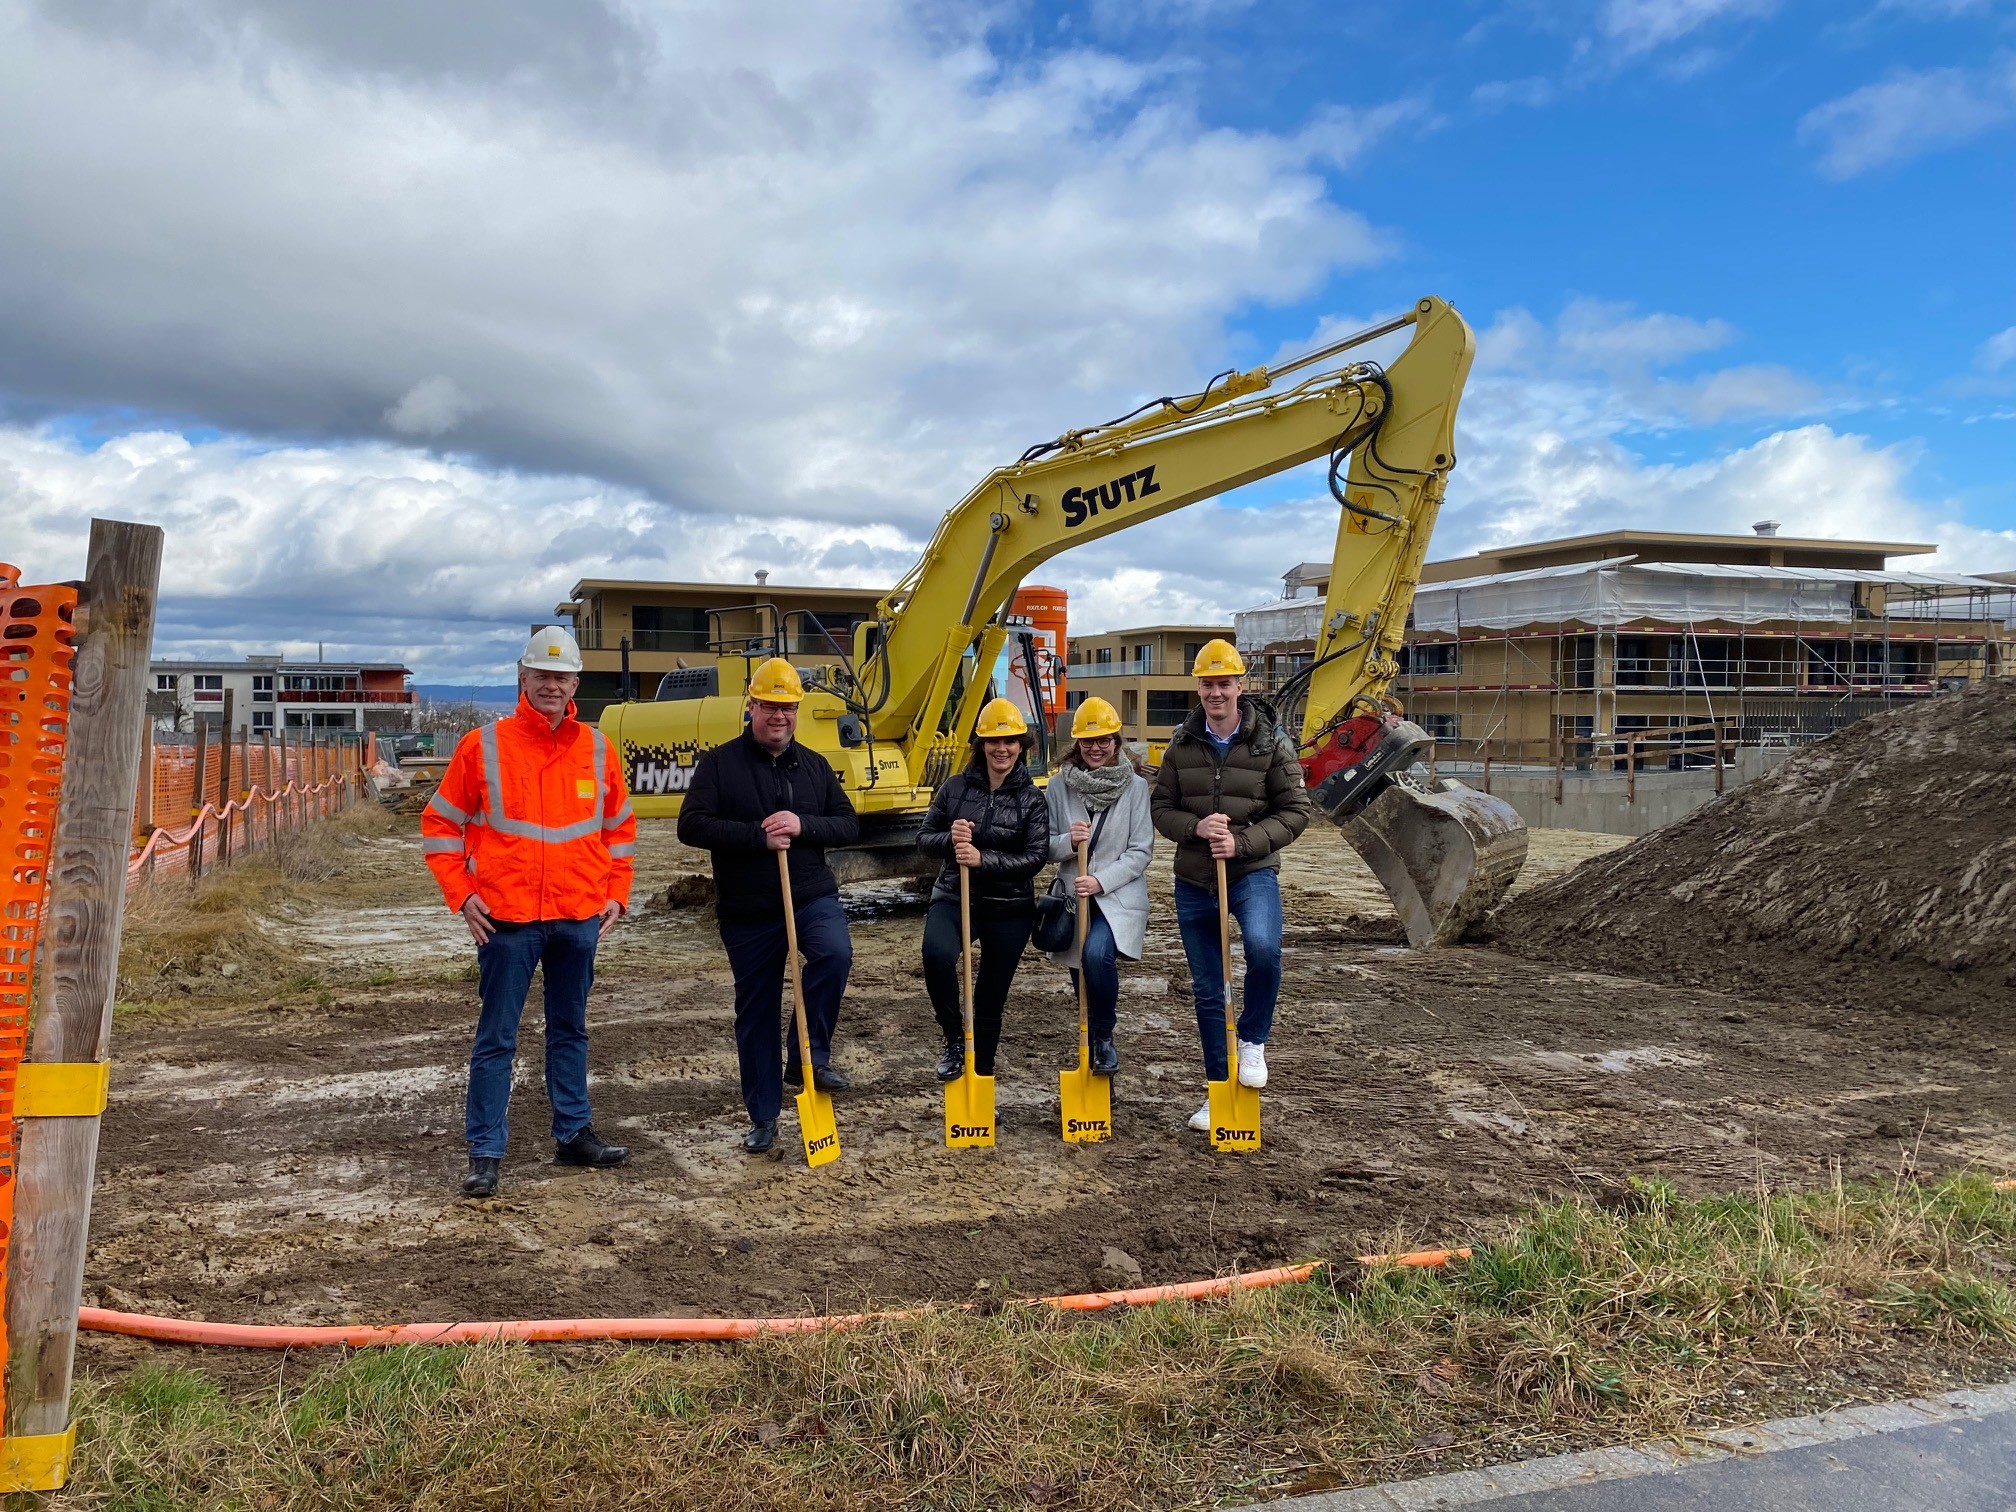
point(1595, 800)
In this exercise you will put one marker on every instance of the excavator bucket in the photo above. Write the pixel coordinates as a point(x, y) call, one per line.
point(1445, 854)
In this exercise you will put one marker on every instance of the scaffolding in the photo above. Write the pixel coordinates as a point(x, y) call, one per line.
point(1591, 654)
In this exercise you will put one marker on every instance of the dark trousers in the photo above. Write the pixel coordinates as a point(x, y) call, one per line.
point(564, 951)
point(1100, 961)
point(763, 1020)
point(1002, 938)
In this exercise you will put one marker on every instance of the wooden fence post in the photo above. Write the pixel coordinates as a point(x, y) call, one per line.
point(1487, 766)
point(1560, 760)
point(196, 798)
point(1718, 756)
point(266, 782)
point(224, 782)
point(80, 949)
point(1631, 770)
point(284, 812)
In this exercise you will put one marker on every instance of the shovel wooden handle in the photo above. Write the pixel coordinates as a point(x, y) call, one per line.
point(1084, 911)
point(966, 962)
point(1225, 971)
point(797, 982)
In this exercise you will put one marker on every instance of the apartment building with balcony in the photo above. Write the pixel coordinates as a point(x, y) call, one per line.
point(270, 693)
point(657, 627)
point(1575, 645)
point(1144, 673)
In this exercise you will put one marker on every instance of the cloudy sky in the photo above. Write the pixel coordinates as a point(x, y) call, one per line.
point(403, 317)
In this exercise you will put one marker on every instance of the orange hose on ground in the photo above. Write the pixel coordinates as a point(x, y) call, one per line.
point(1433, 1259)
point(552, 1330)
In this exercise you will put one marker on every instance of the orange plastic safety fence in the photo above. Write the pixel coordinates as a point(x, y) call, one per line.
point(37, 653)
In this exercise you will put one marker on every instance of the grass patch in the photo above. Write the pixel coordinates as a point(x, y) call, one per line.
point(186, 940)
point(1577, 1323)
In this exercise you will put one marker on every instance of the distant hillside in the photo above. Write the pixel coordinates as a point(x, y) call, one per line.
point(499, 695)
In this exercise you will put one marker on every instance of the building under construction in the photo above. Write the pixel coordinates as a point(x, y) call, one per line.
point(1566, 649)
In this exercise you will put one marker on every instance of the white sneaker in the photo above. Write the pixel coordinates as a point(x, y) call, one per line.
point(1252, 1065)
point(1201, 1119)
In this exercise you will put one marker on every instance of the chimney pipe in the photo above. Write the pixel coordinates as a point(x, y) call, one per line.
point(762, 577)
point(1766, 527)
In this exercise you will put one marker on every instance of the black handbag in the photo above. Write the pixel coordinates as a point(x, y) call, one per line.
point(1057, 911)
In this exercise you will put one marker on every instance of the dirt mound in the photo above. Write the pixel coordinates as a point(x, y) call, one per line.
point(1877, 867)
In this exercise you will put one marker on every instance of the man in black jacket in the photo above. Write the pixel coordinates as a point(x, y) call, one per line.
point(759, 794)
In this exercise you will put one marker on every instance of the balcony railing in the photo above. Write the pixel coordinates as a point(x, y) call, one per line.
point(346, 696)
point(1151, 666)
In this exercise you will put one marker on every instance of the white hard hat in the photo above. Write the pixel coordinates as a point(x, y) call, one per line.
point(551, 649)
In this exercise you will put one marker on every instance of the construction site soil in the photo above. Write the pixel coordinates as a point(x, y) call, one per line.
point(284, 1139)
point(1875, 870)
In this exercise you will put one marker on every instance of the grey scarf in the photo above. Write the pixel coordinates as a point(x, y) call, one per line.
point(1098, 787)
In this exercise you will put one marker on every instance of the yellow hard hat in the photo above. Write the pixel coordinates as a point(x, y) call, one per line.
point(999, 721)
point(776, 681)
point(1095, 717)
point(1218, 658)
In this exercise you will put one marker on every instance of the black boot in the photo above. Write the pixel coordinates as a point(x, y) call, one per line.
point(587, 1149)
point(1105, 1059)
point(760, 1137)
point(482, 1178)
point(952, 1064)
point(826, 1078)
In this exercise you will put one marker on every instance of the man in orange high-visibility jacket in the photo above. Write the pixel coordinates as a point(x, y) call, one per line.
point(531, 837)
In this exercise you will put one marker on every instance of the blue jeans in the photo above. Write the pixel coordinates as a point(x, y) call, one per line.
point(1101, 963)
point(564, 949)
point(765, 1033)
point(1256, 905)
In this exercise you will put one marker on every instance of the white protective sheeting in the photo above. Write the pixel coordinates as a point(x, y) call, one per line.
point(1624, 590)
point(1271, 624)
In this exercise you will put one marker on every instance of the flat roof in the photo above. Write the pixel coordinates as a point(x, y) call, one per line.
point(269, 664)
point(756, 591)
point(1632, 538)
point(1154, 630)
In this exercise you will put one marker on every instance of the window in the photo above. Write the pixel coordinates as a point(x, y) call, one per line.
point(1435, 659)
point(299, 719)
point(164, 682)
point(1442, 728)
point(1103, 656)
point(658, 627)
point(209, 687)
point(1191, 651)
point(318, 682)
point(1577, 669)
point(262, 692)
point(1074, 697)
point(262, 719)
point(1168, 708)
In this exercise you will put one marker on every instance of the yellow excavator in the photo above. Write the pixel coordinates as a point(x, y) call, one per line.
point(891, 710)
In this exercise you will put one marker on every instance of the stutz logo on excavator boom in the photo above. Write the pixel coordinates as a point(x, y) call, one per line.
point(1081, 504)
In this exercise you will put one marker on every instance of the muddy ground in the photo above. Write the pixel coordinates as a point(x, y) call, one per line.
point(295, 1158)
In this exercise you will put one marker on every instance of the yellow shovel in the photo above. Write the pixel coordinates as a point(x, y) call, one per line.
point(815, 1108)
point(1086, 1100)
point(1235, 1110)
point(969, 1101)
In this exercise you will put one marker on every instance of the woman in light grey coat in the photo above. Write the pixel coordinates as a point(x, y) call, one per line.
point(1096, 796)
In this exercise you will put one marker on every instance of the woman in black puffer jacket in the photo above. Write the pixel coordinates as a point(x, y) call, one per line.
point(991, 819)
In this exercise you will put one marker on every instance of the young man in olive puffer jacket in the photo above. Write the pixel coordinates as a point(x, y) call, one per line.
point(1230, 786)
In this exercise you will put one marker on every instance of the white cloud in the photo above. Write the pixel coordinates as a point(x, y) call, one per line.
point(430, 408)
point(1607, 335)
point(1910, 113)
point(1533, 93)
point(1639, 26)
point(821, 260)
point(1997, 352)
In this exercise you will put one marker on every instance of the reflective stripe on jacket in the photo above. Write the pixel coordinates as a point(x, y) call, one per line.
point(535, 819)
